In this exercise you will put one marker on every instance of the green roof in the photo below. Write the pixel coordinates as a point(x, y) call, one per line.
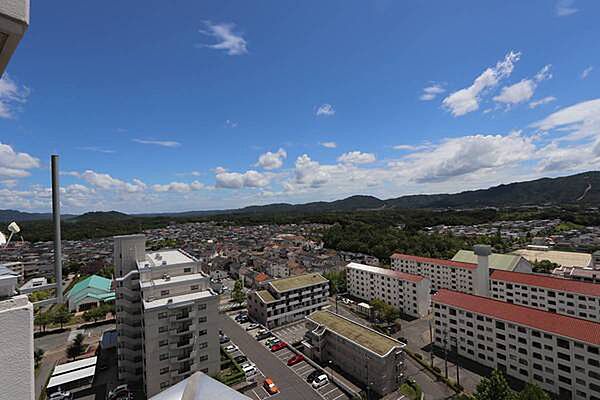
point(94, 281)
point(265, 296)
point(297, 282)
point(360, 334)
point(506, 262)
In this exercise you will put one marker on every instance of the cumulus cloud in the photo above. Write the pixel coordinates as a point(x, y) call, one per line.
point(14, 164)
point(309, 172)
point(179, 187)
point(582, 120)
point(237, 180)
point(466, 155)
point(11, 96)
point(271, 160)
point(467, 100)
point(357, 157)
point(522, 91)
point(431, 92)
point(564, 8)
point(226, 39)
point(586, 72)
point(105, 181)
point(542, 101)
point(163, 143)
point(329, 145)
point(326, 110)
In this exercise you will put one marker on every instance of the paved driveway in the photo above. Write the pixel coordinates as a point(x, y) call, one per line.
point(291, 385)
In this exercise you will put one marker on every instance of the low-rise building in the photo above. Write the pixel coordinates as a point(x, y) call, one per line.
point(289, 299)
point(371, 358)
point(557, 295)
point(505, 262)
point(559, 353)
point(91, 292)
point(408, 293)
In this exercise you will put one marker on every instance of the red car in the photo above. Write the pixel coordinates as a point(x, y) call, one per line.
point(278, 346)
point(295, 360)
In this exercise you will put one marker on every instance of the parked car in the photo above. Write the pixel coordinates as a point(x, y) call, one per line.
point(243, 320)
point(240, 359)
point(252, 327)
point(120, 392)
point(263, 335)
point(270, 386)
point(247, 364)
point(249, 370)
point(241, 315)
point(320, 380)
point(272, 341)
point(278, 346)
point(313, 375)
point(60, 395)
point(231, 348)
point(223, 339)
point(295, 360)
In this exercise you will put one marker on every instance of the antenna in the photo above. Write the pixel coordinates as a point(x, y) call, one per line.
point(56, 220)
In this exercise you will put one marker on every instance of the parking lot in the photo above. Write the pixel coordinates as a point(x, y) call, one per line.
point(289, 334)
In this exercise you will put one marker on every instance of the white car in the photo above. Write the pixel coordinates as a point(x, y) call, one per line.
point(249, 370)
point(231, 348)
point(247, 364)
point(320, 380)
point(252, 326)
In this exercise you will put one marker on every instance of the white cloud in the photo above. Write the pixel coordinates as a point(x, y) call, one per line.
point(237, 180)
point(233, 43)
point(357, 157)
point(410, 147)
point(163, 143)
point(467, 100)
point(586, 72)
point(565, 8)
point(271, 160)
point(105, 181)
point(14, 164)
point(231, 124)
point(97, 149)
point(466, 155)
point(11, 96)
point(329, 145)
point(309, 172)
point(582, 120)
point(325, 109)
point(523, 91)
point(542, 101)
point(431, 92)
point(179, 187)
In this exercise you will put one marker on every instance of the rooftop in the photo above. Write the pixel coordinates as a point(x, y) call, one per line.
point(359, 334)
point(564, 258)
point(265, 296)
point(166, 257)
point(506, 262)
point(94, 281)
point(176, 300)
point(385, 271)
point(559, 284)
point(436, 261)
point(297, 282)
point(562, 325)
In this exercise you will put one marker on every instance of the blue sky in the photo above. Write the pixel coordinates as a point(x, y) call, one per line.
point(218, 104)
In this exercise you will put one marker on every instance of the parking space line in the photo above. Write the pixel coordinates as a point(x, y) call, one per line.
point(341, 395)
point(332, 390)
point(323, 387)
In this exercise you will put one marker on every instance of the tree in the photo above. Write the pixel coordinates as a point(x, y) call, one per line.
point(42, 319)
point(38, 356)
point(494, 387)
point(61, 315)
point(384, 311)
point(337, 281)
point(76, 348)
point(95, 314)
point(532, 391)
point(238, 295)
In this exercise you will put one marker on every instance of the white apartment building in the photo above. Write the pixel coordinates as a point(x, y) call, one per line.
point(557, 295)
point(166, 316)
point(16, 340)
point(408, 293)
point(288, 299)
point(559, 353)
point(448, 274)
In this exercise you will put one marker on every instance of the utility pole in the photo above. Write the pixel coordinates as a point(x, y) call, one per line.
point(446, 352)
point(456, 361)
point(56, 221)
point(430, 345)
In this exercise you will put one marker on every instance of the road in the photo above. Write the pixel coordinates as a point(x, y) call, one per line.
point(291, 385)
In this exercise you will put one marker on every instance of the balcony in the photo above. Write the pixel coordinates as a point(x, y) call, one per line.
point(181, 344)
point(182, 317)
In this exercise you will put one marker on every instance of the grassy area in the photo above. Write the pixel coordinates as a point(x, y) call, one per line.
point(408, 391)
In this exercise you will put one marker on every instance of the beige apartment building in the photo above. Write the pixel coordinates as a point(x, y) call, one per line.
point(287, 300)
point(559, 353)
point(373, 359)
point(408, 293)
point(557, 295)
point(166, 316)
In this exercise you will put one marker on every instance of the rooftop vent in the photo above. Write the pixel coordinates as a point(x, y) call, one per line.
point(166, 277)
point(164, 262)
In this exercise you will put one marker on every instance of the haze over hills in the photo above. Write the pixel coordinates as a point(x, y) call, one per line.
point(583, 188)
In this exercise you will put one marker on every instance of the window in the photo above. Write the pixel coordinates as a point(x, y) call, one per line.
point(163, 356)
point(163, 315)
point(163, 343)
point(185, 270)
point(162, 329)
point(164, 292)
point(164, 370)
point(194, 287)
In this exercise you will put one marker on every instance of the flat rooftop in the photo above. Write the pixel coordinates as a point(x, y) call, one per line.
point(177, 300)
point(265, 296)
point(359, 334)
point(548, 282)
point(385, 271)
point(297, 282)
point(558, 324)
point(434, 261)
point(166, 257)
point(173, 280)
point(564, 258)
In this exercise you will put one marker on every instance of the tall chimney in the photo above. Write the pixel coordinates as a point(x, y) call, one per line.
point(481, 281)
point(56, 220)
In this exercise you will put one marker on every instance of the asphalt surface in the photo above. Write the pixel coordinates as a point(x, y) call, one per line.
point(291, 385)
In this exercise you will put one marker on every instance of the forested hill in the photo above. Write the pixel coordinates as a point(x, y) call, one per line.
point(580, 189)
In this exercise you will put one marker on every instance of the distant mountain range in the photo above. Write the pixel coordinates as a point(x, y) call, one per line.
point(583, 188)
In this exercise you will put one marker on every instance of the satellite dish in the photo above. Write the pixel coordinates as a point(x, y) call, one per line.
point(2, 239)
point(14, 228)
